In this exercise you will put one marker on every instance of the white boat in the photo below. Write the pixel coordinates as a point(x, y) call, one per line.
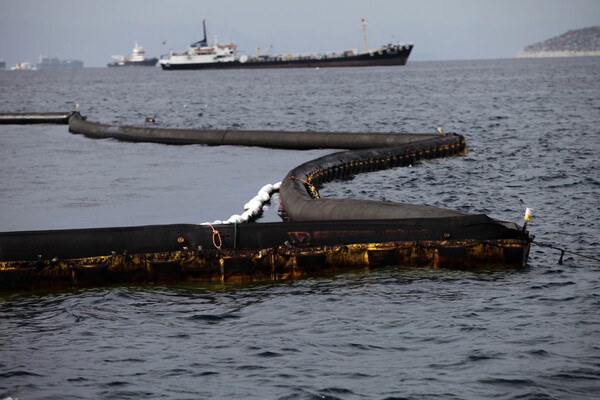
point(24, 66)
point(200, 53)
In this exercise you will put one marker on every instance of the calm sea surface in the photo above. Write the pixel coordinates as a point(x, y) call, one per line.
point(533, 132)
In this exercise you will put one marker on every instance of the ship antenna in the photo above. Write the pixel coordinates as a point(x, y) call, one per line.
point(364, 32)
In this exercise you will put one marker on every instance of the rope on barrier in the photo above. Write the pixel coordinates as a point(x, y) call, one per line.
point(216, 235)
point(311, 188)
point(563, 251)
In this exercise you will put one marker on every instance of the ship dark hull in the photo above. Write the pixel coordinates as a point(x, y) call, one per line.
point(361, 60)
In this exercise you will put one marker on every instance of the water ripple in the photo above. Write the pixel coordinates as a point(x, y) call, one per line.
point(388, 333)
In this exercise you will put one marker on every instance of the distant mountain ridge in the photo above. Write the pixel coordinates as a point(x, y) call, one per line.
point(573, 43)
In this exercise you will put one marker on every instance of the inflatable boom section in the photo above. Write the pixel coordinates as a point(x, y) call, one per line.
point(298, 191)
point(263, 138)
point(36, 118)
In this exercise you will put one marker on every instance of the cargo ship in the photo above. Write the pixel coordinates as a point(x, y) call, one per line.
point(202, 55)
point(137, 59)
point(56, 63)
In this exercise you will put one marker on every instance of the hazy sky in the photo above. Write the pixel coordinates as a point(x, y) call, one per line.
point(95, 30)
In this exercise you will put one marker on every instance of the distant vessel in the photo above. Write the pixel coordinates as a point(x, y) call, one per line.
point(201, 55)
point(2, 64)
point(55, 63)
point(24, 66)
point(137, 59)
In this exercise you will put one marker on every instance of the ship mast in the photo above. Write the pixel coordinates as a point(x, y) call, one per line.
point(364, 32)
point(204, 42)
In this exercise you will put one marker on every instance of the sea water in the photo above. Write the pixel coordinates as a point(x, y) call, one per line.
point(532, 129)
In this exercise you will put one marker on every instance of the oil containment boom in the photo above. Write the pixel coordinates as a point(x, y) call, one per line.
point(317, 235)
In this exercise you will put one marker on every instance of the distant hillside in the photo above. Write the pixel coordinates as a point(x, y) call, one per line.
point(578, 42)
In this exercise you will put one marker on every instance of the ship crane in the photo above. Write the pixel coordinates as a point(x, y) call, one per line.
point(364, 34)
point(269, 47)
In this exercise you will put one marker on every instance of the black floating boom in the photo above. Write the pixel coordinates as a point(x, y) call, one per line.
point(318, 235)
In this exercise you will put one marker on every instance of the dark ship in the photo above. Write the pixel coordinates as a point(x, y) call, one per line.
point(137, 59)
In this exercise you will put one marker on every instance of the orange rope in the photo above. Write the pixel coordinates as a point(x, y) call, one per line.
point(216, 235)
point(300, 180)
